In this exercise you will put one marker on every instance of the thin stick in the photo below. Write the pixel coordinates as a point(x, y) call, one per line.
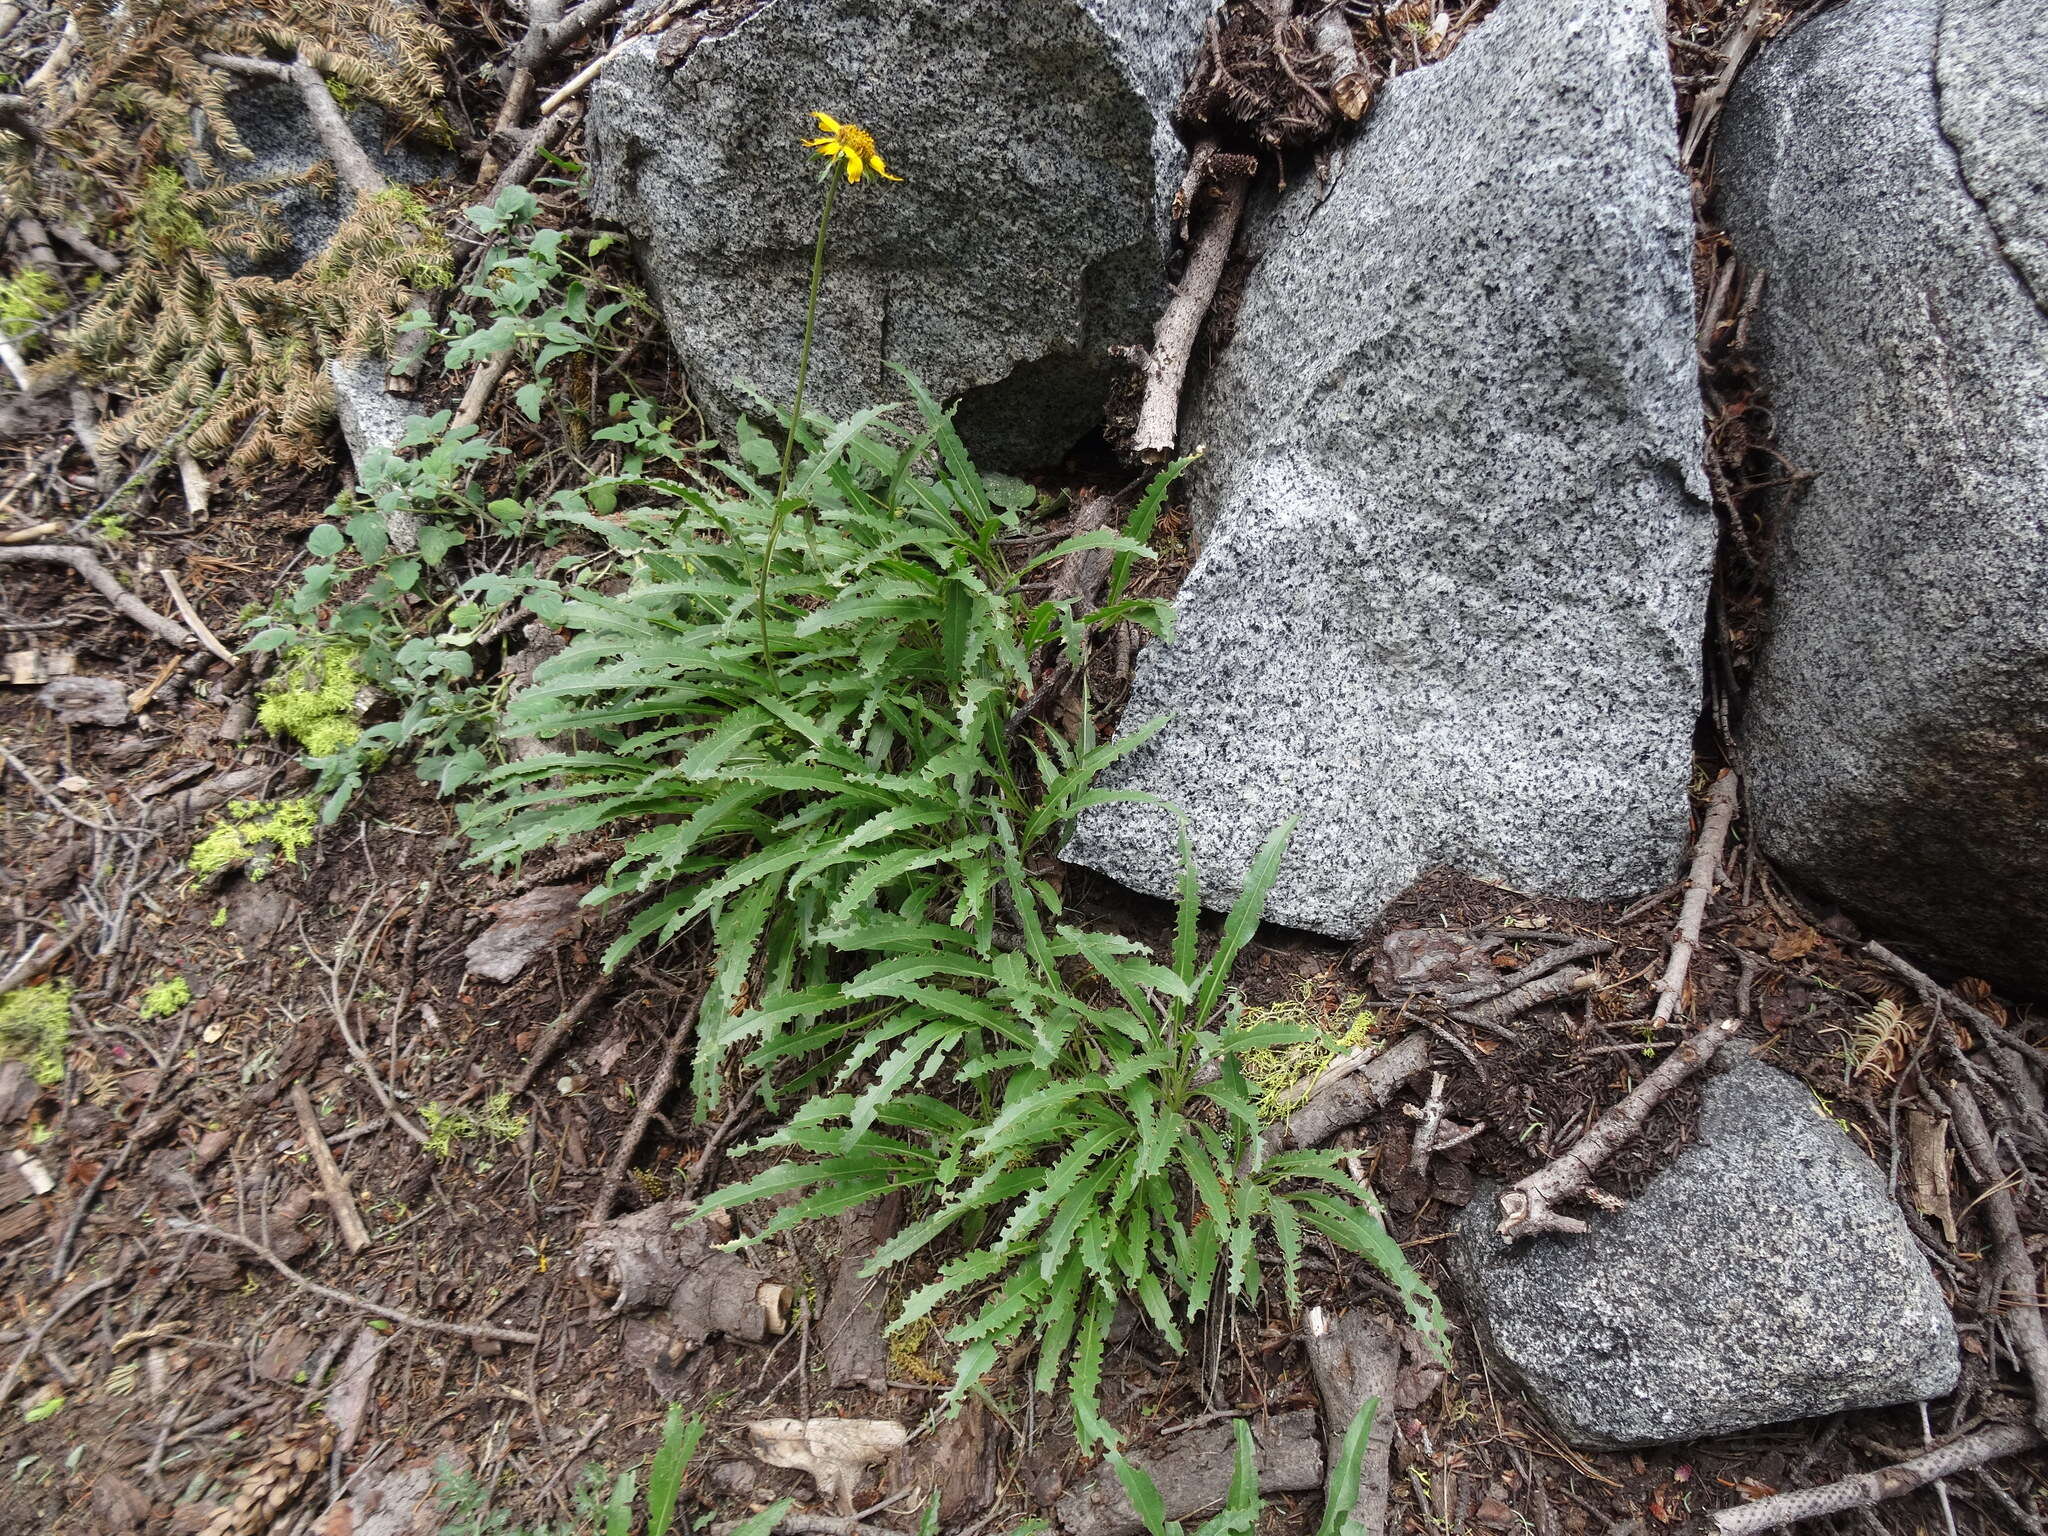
point(1699, 885)
point(656, 1089)
point(1173, 342)
point(1528, 1207)
point(1494, 1014)
point(1583, 949)
point(2013, 1271)
point(104, 582)
point(1868, 1488)
point(335, 1187)
point(343, 1298)
point(481, 387)
point(556, 1032)
point(191, 617)
point(351, 163)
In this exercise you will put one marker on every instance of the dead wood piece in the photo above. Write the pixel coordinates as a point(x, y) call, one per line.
point(102, 581)
point(352, 162)
point(1557, 959)
point(857, 1307)
point(1529, 1207)
point(2012, 1272)
point(1081, 575)
point(349, 1396)
point(86, 700)
point(2006, 1050)
point(1173, 342)
point(662, 1269)
point(1435, 1133)
point(526, 927)
point(1699, 885)
point(236, 784)
point(347, 1219)
point(1493, 1014)
point(192, 620)
point(835, 1452)
point(798, 1523)
point(551, 1039)
point(1350, 1089)
point(1351, 83)
point(1868, 1488)
point(1195, 1474)
point(960, 1462)
point(1354, 1358)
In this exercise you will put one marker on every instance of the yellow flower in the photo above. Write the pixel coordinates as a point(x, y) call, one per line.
point(855, 146)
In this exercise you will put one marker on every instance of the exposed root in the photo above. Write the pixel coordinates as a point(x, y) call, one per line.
point(1868, 1488)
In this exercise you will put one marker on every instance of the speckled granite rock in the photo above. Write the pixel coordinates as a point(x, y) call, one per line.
point(1450, 610)
point(1897, 738)
point(272, 123)
point(1029, 236)
point(1766, 1275)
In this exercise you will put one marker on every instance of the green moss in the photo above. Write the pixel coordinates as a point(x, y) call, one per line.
point(313, 700)
point(35, 1026)
point(165, 998)
point(1280, 1074)
point(27, 299)
point(164, 218)
point(496, 1120)
point(255, 833)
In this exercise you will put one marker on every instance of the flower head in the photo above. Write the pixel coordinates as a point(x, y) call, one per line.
point(854, 146)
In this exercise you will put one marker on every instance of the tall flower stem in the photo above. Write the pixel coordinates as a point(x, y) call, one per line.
point(796, 413)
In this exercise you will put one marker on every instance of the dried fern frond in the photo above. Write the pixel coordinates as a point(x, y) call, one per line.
point(1883, 1040)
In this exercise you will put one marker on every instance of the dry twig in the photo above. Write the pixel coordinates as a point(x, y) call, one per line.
point(103, 581)
point(1868, 1488)
point(1699, 885)
point(1529, 1207)
point(339, 1201)
point(2012, 1269)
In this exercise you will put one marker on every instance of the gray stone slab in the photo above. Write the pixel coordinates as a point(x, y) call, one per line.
point(1765, 1276)
point(1883, 165)
point(1449, 612)
point(1028, 237)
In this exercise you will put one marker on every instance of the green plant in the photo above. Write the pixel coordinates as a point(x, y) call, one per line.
point(1281, 1074)
point(1113, 1149)
point(604, 1505)
point(27, 300)
point(165, 998)
point(313, 700)
point(1242, 1505)
point(418, 566)
point(35, 1027)
point(255, 834)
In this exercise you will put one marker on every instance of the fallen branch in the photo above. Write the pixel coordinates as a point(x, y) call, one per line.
point(1868, 1488)
point(351, 163)
point(192, 620)
point(2006, 1050)
point(1173, 343)
point(1351, 83)
point(552, 1037)
point(1528, 1208)
point(343, 1298)
point(1354, 1357)
point(2012, 1272)
point(1557, 959)
point(103, 581)
point(1699, 885)
point(551, 33)
point(1435, 1133)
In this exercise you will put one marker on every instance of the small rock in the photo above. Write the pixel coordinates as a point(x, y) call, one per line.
point(86, 701)
point(1766, 1275)
point(526, 926)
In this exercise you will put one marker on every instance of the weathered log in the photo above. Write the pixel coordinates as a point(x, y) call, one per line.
point(1355, 1356)
point(1194, 1473)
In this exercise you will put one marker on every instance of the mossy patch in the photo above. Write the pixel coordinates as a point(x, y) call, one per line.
point(35, 1026)
point(313, 700)
point(1278, 1075)
point(255, 834)
point(496, 1120)
point(165, 998)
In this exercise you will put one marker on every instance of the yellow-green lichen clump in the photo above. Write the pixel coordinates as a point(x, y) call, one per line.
point(255, 834)
point(165, 998)
point(35, 1026)
point(314, 702)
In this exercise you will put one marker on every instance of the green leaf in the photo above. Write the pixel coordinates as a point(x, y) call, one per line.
point(765, 1522)
point(325, 541)
point(679, 1439)
point(436, 540)
point(367, 532)
point(1340, 1494)
point(1143, 1493)
point(528, 396)
point(618, 1509)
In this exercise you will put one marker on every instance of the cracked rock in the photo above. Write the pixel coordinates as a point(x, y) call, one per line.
point(1884, 166)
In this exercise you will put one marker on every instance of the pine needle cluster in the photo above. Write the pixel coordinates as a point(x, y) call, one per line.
point(137, 149)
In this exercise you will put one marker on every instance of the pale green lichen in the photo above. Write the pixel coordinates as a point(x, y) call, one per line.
point(496, 1120)
point(165, 998)
point(313, 700)
point(35, 1026)
point(1282, 1075)
point(27, 300)
point(255, 834)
